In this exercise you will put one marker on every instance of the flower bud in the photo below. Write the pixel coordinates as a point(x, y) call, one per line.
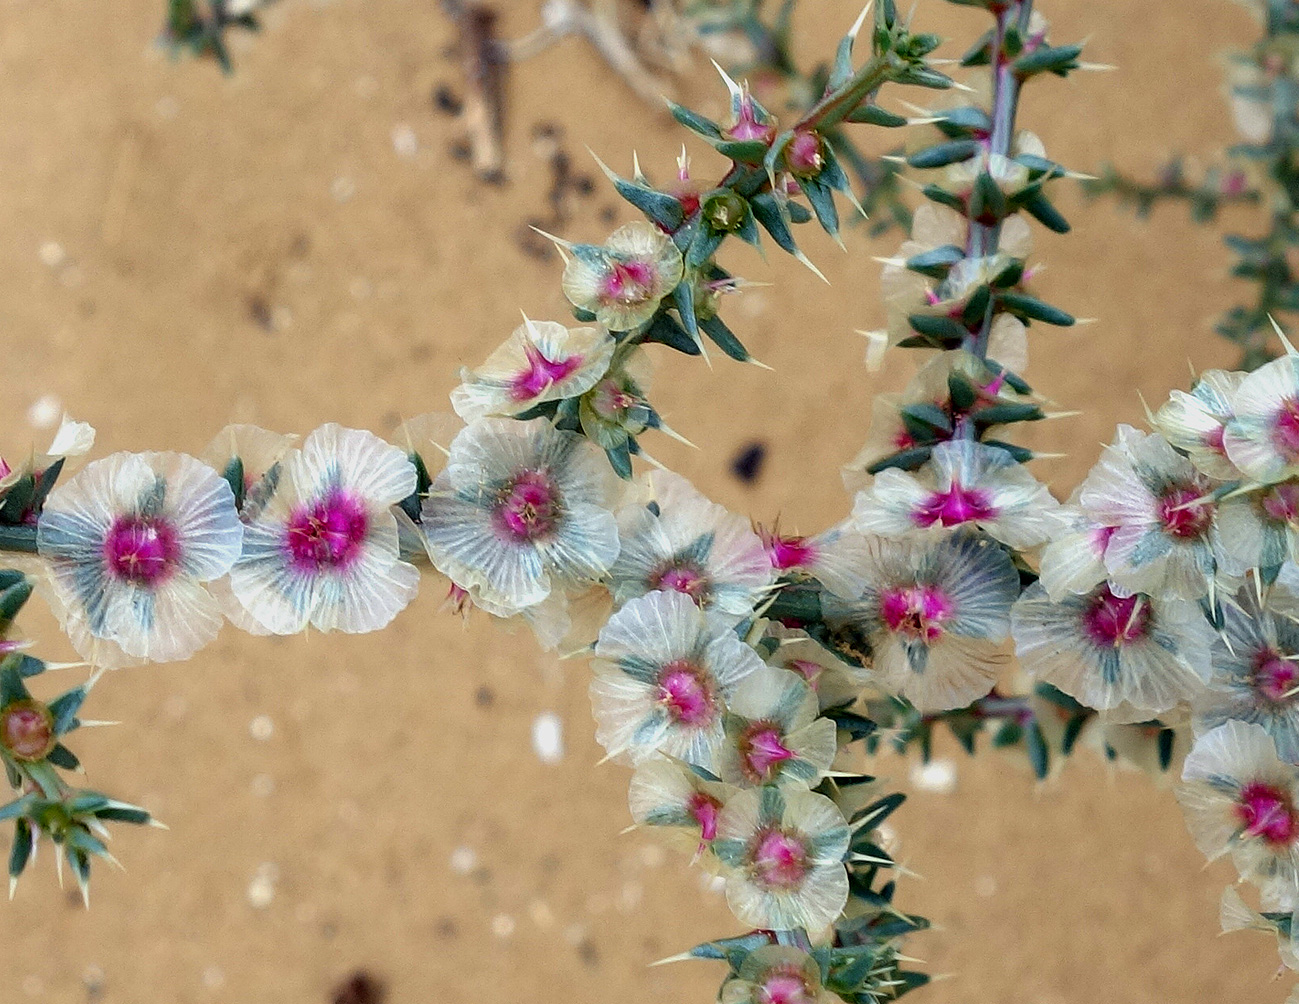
point(725, 211)
point(805, 154)
point(27, 730)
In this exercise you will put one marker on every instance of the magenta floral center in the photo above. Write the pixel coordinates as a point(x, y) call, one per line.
point(142, 550)
point(790, 552)
point(1214, 439)
point(762, 751)
point(541, 374)
point(779, 859)
point(704, 809)
point(804, 154)
point(784, 986)
point(686, 692)
point(955, 506)
point(1266, 812)
point(808, 669)
point(1113, 621)
point(610, 400)
point(27, 730)
point(328, 533)
point(1185, 513)
point(1274, 677)
point(529, 508)
point(681, 577)
point(1285, 429)
point(1281, 502)
point(628, 282)
point(915, 611)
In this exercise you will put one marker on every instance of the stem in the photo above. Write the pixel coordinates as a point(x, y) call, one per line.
point(836, 106)
point(20, 538)
point(1005, 99)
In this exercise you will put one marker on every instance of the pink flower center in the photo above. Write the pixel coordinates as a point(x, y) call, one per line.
point(1274, 677)
point(747, 125)
point(762, 751)
point(327, 533)
point(790, 552)
point(1213, 439)
point(784, 987)
point(541, 374)
point(610, 400)
point(804, 154)
point(529, 507)
point(955, 506)
point(1285, 429)
point(780, 860)
point(1281, 502)
point(681, 578)
point(1264, 811)
point(27, 730)
point(915, 611)
point(628, 282)
point(687, 694)
point(142, 550)
point(704, 809)
point(1114, 621)
point(806, 667)
point(1100, 539)
point(1185, 513)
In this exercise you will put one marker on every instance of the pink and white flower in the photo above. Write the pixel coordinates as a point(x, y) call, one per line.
point(668, 794)
point(777, 974)
point(836, 682)
point(784, 851)
point(1134, 656)
point(130, 542)
point(964, 484)
point(623, 281)
point(1196, 422)
point(1164, 539)
point(1262, 438)
point(541, 361)
point(1255, 673)
point(833, 557)
point(664, 673)
point(520, 510)
point(1240, 799)
point(323, 550)
point(1074, 561)
point(687, 544)
point(773, 734)
point(935, 614)
point(1259, 529)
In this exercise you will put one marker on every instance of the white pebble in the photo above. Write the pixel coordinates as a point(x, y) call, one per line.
point(167, 107)
point(502, 925)
point(541, 914)
point(214, 978)
point(263, 785)
point(45, 412)
point(937, 776)
point(404, 140)
point(261, 890)
point(261, 727)
point(985, 886)
point(342, 189)
point(52, 254)
point(464, 860)
point(548, 737)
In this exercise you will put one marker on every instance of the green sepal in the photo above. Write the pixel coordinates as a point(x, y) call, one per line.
point(18, 500)
point(857, 726)
point(665, 330)
point(961, 392)
point(987, 201)
point(924, 420)
point(730, 950)
point(979, 54)
point(620, 460)
point(903, 460)
point(64, 709)
point(12, 597)
point(1059, 59)
point(976, 307)
point(234, 477)
point(1167, 737)
point(936, 263)
point(1010, 276)
point(944, 153)
point(684, 299)
point(1013, 380)
point(1007, 413)
point(1021, 454)
point(21, 851)
point(120, 812)
point(12, 687)
point(660, 207)
point(725, 339)
point(943, 330)
point(696, 123)
point(745, 151)
point(1038, 754)
point(705, 243)
point(1039, 207)
point(63, 757)
point(766, 208)
point(18, 807)
point(412, 504)
point(936, 193)
point(44, 483)
point(868, 114)
point(1030, 307)
point(874, 814)
point(583, 315)
point(967, 122)
point(822, 199)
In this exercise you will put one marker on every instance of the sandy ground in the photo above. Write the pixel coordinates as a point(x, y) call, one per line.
point(181, 250)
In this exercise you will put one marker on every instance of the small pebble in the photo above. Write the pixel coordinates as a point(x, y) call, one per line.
point(747, 464)
point(45, 412)
point(263, 785)
point(167, 107)
point(214, 978)
point(261, 890)
point(985, 886)
point(937, 776)
point(360, 988)
point(342, 189)
point(464, 860)
point(548, 737)
point(261, 728)
point(404, 140)
point(502, 925)
point(52, 254)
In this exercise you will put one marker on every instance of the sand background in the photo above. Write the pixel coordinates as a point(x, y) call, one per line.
point(181, 250)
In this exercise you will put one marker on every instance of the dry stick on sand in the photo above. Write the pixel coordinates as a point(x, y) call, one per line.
point(483, 59)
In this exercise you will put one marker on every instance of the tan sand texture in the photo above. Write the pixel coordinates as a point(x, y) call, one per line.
point(182, 250)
